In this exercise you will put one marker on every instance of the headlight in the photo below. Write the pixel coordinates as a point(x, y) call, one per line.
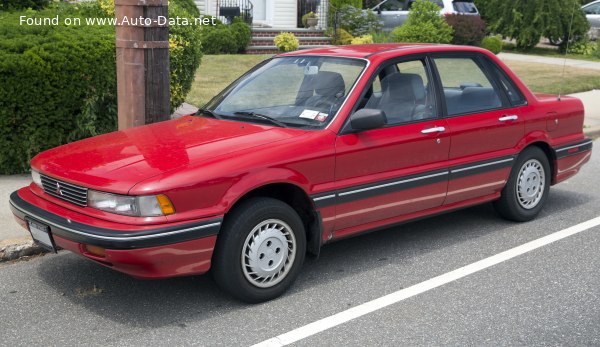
point(37, 179)
point(138, 206)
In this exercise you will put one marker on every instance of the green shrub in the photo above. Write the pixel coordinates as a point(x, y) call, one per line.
point(424, 24)
point(381, 37)
point(492, 44)
point(226, 39)
point(596, 52)
point(286, 42)
point(305, 18)
point(336, 5)
point(219, 40)
point(342, 37)
point(243, 34)
point(362, 40)
point(188, 6)
point(59, 82)
point(468, 30)
point(13, 5)
point(583, 47)
point(185, 52)
point(357, 22)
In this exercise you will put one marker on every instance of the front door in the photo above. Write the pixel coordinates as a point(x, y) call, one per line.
point(390, 172)
point(259, 10)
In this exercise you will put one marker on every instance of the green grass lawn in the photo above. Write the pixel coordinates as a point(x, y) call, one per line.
point(217, 71)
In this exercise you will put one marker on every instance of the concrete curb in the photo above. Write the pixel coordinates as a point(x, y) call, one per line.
point(592, 132)
point(16, 251)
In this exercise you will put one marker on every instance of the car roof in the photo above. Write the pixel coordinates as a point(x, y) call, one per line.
point(378, 49)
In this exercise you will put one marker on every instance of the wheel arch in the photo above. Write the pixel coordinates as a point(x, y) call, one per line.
point(550, 154)
point(299, 200)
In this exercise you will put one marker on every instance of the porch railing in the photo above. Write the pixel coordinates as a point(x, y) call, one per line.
point(319, 7)
point(229, 9)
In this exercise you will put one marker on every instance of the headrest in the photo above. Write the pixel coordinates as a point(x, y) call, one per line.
point(328, 83)
point(404, 86)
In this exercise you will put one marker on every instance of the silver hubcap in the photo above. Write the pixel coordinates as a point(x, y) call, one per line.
point(530, 184)
point(268, 253)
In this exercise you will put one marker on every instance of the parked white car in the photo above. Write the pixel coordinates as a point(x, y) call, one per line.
point(393, 13)
point(592, 12)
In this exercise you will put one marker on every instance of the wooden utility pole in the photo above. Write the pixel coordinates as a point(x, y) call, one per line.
point(143, 77)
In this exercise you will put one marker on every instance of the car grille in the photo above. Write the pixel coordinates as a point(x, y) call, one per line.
point(65, 191)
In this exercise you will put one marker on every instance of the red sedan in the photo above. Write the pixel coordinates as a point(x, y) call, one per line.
point(306, 148)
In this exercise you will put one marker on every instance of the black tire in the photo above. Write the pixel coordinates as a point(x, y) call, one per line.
point(514, 206)
point(242, 280)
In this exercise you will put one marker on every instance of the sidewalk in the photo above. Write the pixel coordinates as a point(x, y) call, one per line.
point(582, 64)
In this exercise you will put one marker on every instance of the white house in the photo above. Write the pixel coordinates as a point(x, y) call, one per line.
point(279, 14)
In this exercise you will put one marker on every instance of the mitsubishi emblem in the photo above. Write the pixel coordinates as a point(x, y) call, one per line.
point(58, 191)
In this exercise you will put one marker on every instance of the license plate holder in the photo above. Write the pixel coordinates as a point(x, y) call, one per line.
point(41, 234)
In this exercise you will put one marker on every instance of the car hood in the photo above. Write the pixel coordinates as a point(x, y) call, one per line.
point(115, 162)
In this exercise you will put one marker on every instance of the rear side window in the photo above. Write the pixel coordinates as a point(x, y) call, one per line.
point(513, 93)
point(592, 9)
point(464, 7)
point(466, 87)
point(392, 5)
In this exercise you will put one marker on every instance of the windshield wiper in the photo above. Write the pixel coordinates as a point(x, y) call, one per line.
point(207, 112)
point(261, 116)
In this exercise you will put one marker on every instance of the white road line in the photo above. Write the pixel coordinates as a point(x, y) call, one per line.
point(390, 299)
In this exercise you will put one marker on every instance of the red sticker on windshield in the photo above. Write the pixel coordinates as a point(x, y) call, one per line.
point(321, 117)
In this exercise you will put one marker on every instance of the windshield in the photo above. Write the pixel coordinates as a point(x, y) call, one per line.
point(290, 91)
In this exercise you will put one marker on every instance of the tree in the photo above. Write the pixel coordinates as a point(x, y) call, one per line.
point(528, 21)
point(424, 24)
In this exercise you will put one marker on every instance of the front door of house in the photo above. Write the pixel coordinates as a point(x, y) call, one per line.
point(259, 10)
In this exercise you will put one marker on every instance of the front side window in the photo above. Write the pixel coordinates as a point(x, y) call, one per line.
point(403, 91)
point(292, 91)
point(466, 87)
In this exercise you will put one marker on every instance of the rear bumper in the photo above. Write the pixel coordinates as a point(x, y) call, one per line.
point(142, 251)
point(570, 158)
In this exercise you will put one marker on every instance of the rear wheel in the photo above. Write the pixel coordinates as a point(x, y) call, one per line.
point(527, 188)
point(260, 250)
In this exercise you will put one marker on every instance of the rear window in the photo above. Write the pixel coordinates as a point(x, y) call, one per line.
point(464, 7)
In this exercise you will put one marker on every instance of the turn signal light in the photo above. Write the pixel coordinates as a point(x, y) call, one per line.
point(165, 204)
point(95, 250)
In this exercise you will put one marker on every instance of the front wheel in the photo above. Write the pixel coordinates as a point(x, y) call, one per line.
point(527, 188)
point(260, 250)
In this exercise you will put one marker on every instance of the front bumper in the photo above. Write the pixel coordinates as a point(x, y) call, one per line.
point(142, 251)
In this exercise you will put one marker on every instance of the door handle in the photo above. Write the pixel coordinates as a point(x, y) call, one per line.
point(433, 130)
point(507, 118)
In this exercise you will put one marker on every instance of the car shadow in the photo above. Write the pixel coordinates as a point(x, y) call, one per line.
point(158, 303)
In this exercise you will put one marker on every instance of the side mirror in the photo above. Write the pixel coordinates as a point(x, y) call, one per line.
point(367, 119)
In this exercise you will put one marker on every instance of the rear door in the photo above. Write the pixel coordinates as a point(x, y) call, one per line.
point(484, 123)
point(392, 13)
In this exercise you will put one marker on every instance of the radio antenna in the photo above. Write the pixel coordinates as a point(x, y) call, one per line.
point(562, 77)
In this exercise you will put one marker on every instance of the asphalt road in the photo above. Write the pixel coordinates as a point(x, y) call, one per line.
point(549, 296)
